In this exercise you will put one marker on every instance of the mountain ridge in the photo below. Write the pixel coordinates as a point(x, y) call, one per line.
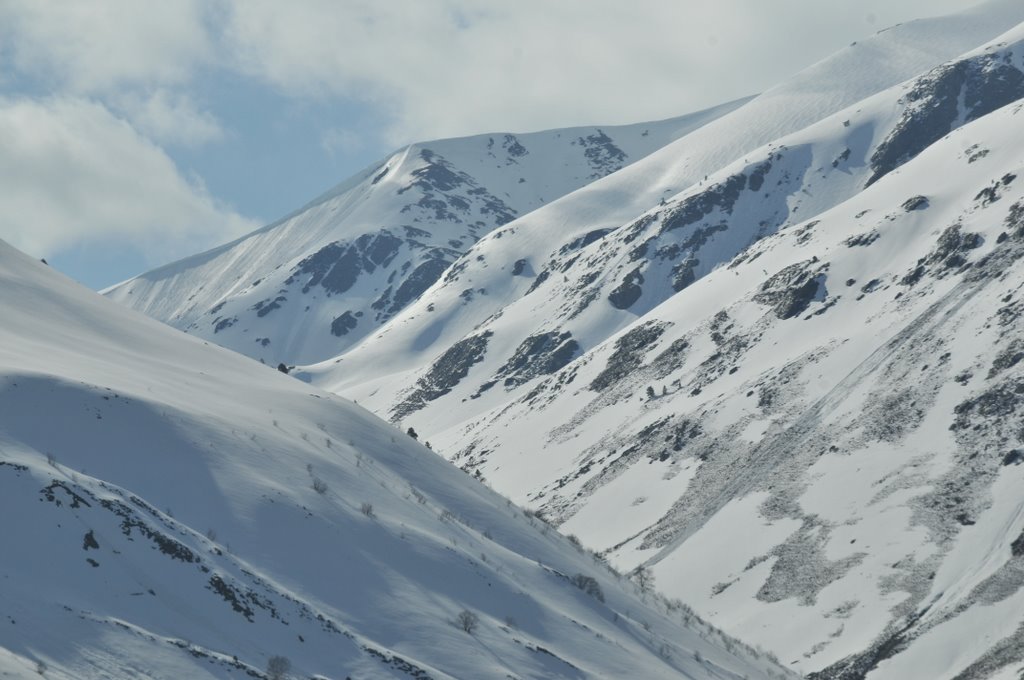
point(774, 362)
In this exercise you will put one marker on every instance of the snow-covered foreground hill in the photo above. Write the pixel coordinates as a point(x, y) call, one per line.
point(174, 510)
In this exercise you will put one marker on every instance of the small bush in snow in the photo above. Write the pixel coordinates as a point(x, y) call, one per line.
point(644, 578)
point(367, 509)
point(447, 516)
point(278, 667)
point(589, 585)
point(467, 621)
point(319, 485)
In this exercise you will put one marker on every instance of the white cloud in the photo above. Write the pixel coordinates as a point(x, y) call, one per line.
point(337, 140)
point(170, 118)
point(462, 66)
point(72, 173)
point(100, 45)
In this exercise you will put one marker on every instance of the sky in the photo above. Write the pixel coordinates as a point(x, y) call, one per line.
point(136, 133)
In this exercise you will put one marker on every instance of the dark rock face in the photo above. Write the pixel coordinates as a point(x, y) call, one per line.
point(437, 175)
point(583, 241)
point(602, 154)
point(415, 232)
point(518, 267)
point(513, 147)
point(998, 402)
point(790, 292)
point(915, 203)
point(1017, 547)
point(417, 282)
point(445, 373)
point(337, 266)
point(627, 292)
point(541, 278)
point(722, 196)
point(628, 354)
point(343, 324)
point(1015, 220)
point(684, 273)
point(264, 307)
point(1007, 358)
point(984, 84)
point(540, 354)
point(950, 253)
point(220, 324)
point(447, 192)
point(862, 240)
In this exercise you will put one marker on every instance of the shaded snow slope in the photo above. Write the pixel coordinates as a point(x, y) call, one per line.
point(776, 361)
point(172, 510)
point(797, 423)
point(311, 285)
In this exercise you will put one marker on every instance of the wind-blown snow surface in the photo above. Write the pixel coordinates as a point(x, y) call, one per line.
point(825, 460)
point(161, 521)
point(778, 160)
point(778, 361)
point(828, 461)
point(316, 282)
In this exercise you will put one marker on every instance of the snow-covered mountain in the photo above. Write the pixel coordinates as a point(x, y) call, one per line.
point(776, 361)
point(826, 432)
point(159, 525)
point(311, 285)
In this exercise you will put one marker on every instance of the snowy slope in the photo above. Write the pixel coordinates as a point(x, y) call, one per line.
point(777, 361)
point(828, 459)
point(519, 306)
point(161, 521)
point(312, 284)
point(276, 295)
point(561, 262)
point(535, 391)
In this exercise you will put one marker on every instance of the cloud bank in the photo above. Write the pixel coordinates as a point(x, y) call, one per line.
point(72, 171)
point(100, 101)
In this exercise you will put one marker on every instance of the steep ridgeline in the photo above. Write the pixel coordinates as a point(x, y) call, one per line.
point(526, 301)
point(309, 286)
point(789, 390)
point(321, 281)
point(174, 510)
point(819, 445)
